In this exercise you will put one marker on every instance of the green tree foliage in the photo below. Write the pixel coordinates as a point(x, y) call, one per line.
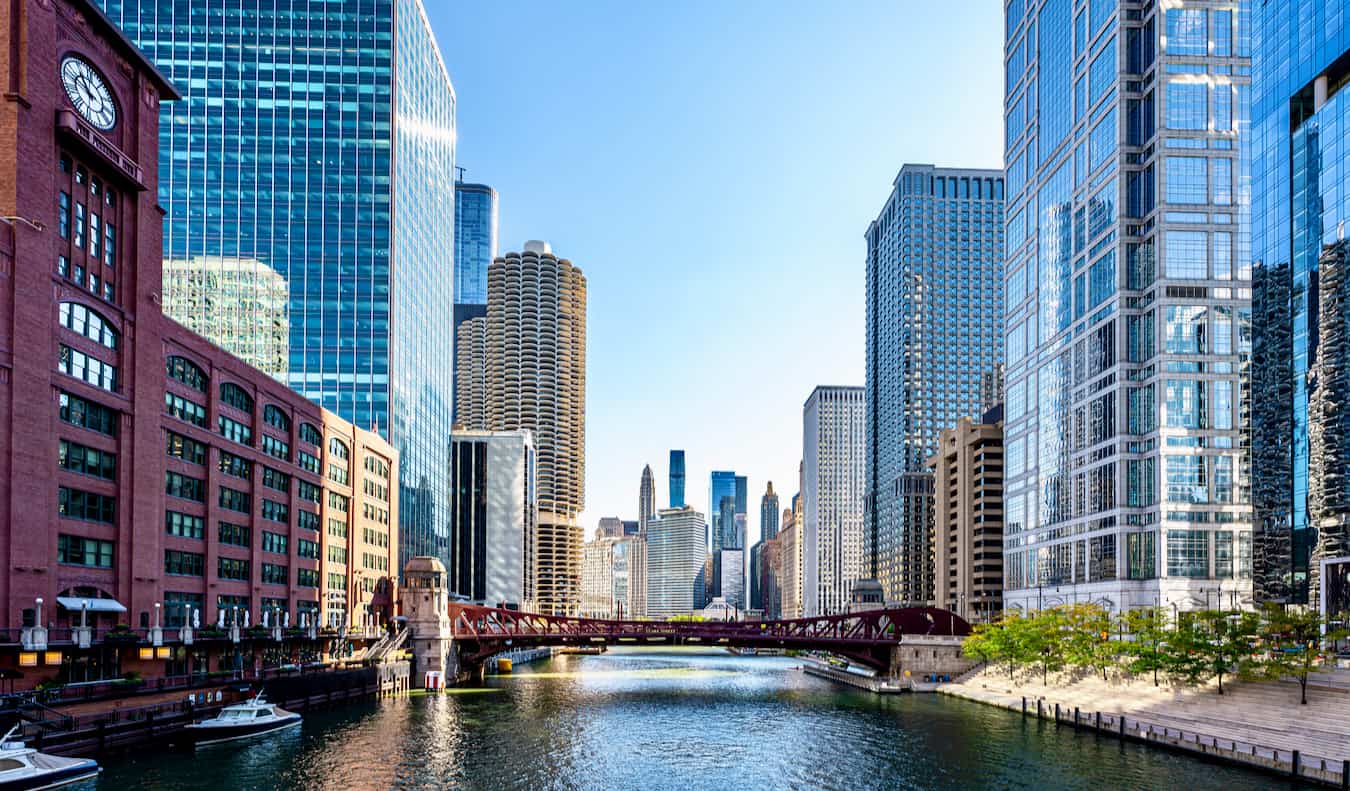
point(1145, 651)
point(1291, 645)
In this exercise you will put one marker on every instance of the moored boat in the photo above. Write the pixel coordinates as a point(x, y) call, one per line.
point(26, 769)
point(242, 721)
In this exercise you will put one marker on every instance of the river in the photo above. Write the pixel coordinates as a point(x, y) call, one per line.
point(678, 720)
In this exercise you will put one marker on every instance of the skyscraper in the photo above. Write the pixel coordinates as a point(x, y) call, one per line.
point(833, 449)
point(1299, 210)
point(934, 331)
point(492, 477)
point(768, 514)
point(675, 556)
point(646, 499)
point(1127, 303)
point(536, 379)
point(722, 522)
point(677, 479)
point(475, 248)
point(216, 296)
point(322, 144)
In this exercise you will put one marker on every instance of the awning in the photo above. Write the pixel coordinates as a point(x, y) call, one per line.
point(75, 604)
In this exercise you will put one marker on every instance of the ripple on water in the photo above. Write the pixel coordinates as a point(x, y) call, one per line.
point(677, 721)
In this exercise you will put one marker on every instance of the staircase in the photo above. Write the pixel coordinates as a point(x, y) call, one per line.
point(382, 648)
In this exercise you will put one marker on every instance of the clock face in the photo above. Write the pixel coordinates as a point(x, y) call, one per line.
point(89, 93)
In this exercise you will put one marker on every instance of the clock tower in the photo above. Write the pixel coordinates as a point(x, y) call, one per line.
point(81, 355)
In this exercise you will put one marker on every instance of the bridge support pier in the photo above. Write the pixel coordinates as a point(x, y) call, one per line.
point(923, 659)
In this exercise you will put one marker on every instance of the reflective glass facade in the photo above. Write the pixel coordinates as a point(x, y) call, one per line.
point(677, 479)
point(1301, 202)
point(289, 148)
point(1127, 302)
point(475, 241)
point(934, 346)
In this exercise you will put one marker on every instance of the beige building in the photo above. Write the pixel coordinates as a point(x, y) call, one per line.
point(790, 558)
point(614, 578)
point(359, 517)
point(536, 379)
point(471, 373)
point(241, 305)
point(968, 517)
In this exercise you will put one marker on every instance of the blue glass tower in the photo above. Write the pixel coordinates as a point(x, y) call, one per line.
point(1127, 305)
point(677, 479)
point(934, 346)
point(319, 139)
point(475, 241)
point(1300, 205)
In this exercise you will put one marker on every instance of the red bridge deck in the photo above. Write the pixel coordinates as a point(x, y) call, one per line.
point(864, 637)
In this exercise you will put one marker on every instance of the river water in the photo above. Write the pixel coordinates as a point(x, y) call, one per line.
point(679, 720)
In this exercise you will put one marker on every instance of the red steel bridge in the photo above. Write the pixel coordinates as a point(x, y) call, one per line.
point(867, 638)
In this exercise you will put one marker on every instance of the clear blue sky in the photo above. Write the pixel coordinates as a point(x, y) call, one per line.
point(712, 167)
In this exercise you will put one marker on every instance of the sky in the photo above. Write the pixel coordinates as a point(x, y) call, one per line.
point(712, 168)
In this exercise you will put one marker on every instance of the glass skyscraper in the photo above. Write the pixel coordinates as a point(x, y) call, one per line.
point(1300, 205)
point(319, 140)
point(677, 479)
point(475, 241)
point(934, 344)
point(1128, 303)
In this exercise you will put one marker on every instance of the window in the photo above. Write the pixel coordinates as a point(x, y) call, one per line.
point(231, 464)
point(275, 574)
point(1187, 327)
point(337, 473)
point(86, 414)
point(274, 417)
point(1188, 553)
point(275, 479)
point(87, 461)
point(307, 520)
point(181, 447)
point(183, 564)
point(307, 549)
point(95, 246)
point(234, 535)
point(185, 410)
point(178, 485)
point(186, 372)
point(63, 214)
point(337, 582)
point(87, 506)
point(82, 320)
point(234, 431)
point(308, 491)
point(1221, 177)
point(311, 435)
point(79, 551)
point(1187, 180)
point(337, 528)
point(337, 555)
point(109, 244)
point(1187, 107)
point(1102, 74)
point(184, 525)
point(1141, 550)
point(1223, 555)
point(337, 448)
point(177, 605)
point(235, 500)
point(232, 569)
point(1186, 255)
point(233, 395)
point(1186, 33)
point(307, 462)
point(274, 542)
point(337, 502)
point(1186, 480)
point(307, 578)
point(79, 365)
point(79, 224)
point(276, 512)
point(275, 447)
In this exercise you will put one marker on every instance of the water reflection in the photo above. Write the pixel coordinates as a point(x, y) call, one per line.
point(672, 720)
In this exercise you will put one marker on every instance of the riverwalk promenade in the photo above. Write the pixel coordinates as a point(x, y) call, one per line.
point(1254, 723)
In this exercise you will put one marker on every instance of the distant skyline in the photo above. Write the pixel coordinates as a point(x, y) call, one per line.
point(715, 191)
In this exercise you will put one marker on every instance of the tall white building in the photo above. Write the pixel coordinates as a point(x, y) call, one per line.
point(732, 569)
point(834, 442)
point(614, 578)
point(493, 495)
point(675, 555)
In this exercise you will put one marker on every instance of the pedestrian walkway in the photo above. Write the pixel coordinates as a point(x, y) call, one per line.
point(1262, 718)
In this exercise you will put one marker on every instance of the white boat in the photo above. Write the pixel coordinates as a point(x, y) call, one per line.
point(242, 721)
point(24, 768)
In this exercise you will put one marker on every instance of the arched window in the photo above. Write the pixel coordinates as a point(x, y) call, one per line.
point(311, 435)
point(187, 372)
point(274, 417)
point(235, 396)
point(337, 448)
point(77, 318)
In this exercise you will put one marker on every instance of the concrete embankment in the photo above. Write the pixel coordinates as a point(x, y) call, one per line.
point(1259, 725)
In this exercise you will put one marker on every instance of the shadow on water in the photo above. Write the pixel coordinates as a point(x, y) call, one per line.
point(678, 720)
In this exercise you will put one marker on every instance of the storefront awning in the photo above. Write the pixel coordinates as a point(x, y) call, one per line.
point(75, 604)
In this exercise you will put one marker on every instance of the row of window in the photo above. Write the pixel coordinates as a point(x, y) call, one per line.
point(79, 319)
point(92, 370)
point(87, 461)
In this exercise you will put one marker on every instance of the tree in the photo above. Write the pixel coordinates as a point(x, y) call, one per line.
point(1229, 645)
point(1087, 638)
point(1292, 643)
point(1184, 655)
point(1041, 641)
point(1148, 634)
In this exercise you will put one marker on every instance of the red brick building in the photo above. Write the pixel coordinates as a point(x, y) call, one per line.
point(146, 474)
